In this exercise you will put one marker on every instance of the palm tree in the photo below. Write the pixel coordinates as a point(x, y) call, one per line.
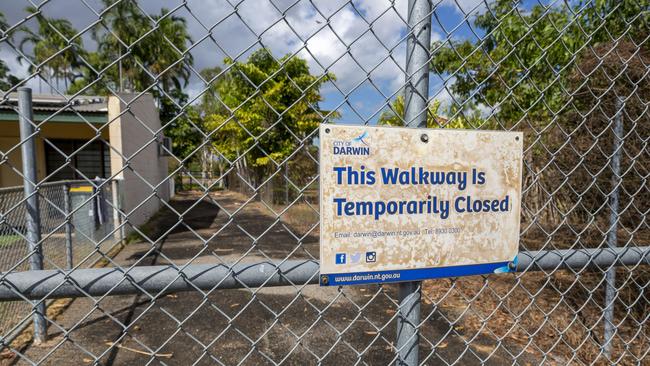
point(166, 44)
point(152, 57)
point(121, 27)
point(6, 79)
point(51, 47)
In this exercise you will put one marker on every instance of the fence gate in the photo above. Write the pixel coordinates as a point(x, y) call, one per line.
point(159, 179)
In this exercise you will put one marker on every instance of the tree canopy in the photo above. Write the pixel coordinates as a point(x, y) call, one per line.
point(7, 80)
point(56, 46)
point(269, 107)
point(520, 67)
point(140, 52)
point(436, 116)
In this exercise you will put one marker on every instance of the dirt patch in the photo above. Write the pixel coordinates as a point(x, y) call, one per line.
point(555, 317)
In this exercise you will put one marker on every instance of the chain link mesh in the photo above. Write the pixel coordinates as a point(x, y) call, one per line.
point(82, 245)
point(201, 120)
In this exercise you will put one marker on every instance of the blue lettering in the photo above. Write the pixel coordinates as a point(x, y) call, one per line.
point(389, 176)
point(339, 173)
point(457, 204)
point(339, 203)
point(380, 209)
point(351, 150)
point(444, 209)
point(349, 208)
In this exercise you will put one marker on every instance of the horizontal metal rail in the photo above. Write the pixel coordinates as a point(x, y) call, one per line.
point(157, 280)
point(58, 183)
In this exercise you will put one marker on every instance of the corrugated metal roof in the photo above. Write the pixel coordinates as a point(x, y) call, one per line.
point(55, 103)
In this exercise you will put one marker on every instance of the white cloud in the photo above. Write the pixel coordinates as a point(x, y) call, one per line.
point(10, 58)
point(346, 44)
point(355, 41)
point(466, 6)
point(18, 69)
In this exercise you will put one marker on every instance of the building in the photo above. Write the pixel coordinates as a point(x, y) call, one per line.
point(88, 137)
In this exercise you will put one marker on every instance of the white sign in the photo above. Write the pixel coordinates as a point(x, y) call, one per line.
point(401, 204)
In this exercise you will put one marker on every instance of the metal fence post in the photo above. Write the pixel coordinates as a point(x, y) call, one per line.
point(416, 95)
point(416, 88)
point(32, 214)
point(612, 237)
point(67, 208)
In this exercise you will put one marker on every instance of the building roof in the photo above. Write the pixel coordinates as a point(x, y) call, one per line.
point(59, 108)
point(52, 102)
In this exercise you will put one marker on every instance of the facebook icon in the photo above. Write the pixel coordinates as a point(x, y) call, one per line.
point(340, 258)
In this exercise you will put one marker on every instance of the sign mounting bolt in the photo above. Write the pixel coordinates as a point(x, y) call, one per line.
point(324, 279)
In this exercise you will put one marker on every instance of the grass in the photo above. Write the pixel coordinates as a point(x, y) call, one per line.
point(6, 240)
point(300, 217)
point(555, 316)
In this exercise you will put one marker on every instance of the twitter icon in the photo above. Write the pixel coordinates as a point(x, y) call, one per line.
point(355, 257)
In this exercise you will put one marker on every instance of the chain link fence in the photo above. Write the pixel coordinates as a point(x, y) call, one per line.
point(65, 244)
point(205, 115)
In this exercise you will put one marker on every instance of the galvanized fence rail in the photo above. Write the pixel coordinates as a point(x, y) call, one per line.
point(212, 234)
point(64, 244)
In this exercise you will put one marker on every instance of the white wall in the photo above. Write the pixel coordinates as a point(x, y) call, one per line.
point(133, 123)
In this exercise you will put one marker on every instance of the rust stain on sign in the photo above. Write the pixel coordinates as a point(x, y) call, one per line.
point(393, 199)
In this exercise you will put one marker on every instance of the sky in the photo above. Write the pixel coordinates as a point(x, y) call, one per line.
point(363, 43)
